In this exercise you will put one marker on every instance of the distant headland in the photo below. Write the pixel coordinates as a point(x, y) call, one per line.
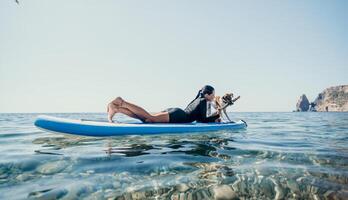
point(332, 99)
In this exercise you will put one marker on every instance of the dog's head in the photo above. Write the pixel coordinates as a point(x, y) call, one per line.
point(227, 99)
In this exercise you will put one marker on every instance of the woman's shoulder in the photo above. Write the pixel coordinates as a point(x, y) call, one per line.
point(197, 102)
point(201, 102)
point(202, 99)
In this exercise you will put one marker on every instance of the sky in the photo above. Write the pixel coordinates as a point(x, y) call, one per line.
point(76, 56)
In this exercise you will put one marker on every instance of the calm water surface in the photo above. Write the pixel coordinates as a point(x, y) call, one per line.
point(279, 156)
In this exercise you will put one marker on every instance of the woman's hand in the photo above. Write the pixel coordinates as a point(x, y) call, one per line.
point(216, 113)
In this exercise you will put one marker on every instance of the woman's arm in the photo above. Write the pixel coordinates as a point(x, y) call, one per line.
point(215, 118)
point(203, 113)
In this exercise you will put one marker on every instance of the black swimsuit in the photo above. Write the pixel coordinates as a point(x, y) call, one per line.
point(177, 115)
point(195, 111)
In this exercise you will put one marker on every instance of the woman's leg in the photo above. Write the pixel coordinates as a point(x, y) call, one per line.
point(113, 109)
point(162, 117)
point(139, 111)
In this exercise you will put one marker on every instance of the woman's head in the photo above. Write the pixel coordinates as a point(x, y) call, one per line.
point(208, 92)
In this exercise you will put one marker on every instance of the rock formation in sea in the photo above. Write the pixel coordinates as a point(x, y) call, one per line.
point(302, 104)
point(332, 99)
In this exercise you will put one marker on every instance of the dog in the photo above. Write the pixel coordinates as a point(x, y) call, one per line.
point(223, 102)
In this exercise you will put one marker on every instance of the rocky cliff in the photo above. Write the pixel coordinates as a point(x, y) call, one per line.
point(302, 104)
point(332, 99)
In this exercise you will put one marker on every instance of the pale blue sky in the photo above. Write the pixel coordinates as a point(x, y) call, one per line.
point(75, 56)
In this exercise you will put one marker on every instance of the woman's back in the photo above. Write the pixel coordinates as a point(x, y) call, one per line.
point(197, 111)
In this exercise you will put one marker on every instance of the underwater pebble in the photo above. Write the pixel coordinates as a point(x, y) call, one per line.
point(24, 177)
point(77, 190)
point(28, 165)
point(3, 181)
point(182, 196)
point(312, 189)
point(328, 194)
point(236, 184)
point(116, 184)
point(182, 187)
point(52, 167)
point(201, 194)
point(280, 192)
point(109, 194)
point(223, 192)
point(138, 195)
point(228, 180)
point(243, 188)
point(175, 196)
point(189, 196)
point(48, 194)
point(343, 194)
point(314, 196)
point(267, 187)
point(293, 186)
point(94, 196)
point(3, 176)
point(224, 156)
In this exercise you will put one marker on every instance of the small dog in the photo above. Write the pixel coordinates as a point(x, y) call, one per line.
point(223, 102)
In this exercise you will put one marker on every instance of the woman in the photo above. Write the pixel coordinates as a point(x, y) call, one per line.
point(200, 110)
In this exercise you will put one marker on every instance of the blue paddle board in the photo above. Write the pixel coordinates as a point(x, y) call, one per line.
point(99, 129)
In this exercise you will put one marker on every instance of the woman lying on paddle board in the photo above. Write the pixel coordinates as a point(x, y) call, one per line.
point(198, 110)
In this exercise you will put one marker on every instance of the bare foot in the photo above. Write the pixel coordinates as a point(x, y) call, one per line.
point(110, 118)
point(111, 110)
point(118, 101)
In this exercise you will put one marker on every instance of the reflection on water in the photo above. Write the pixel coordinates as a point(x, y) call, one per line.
point(279, 156)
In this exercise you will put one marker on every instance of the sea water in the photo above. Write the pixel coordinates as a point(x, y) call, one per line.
point(278, 156)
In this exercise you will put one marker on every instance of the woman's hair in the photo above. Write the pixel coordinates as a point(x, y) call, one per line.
point(207, 89)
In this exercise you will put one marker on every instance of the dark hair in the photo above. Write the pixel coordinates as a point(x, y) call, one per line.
point(207, 89)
